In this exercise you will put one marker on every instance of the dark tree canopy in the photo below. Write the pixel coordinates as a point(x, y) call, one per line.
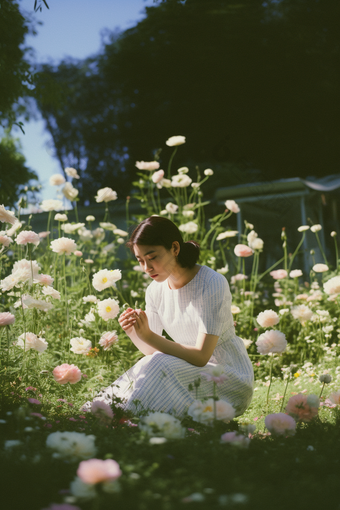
point(251, 84)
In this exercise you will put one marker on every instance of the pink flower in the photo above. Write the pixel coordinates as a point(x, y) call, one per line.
point(5, 240)
point(34, 401)
point(271, 341)
point(66, 373)
point(235, 439)
point(44, 279)
point(42, 235)
point(158, 176)
point(238, 277)
point(78, 253)
point(278, 274)
point(108, 339)
point(242, 250)
point(232, 206)
point(28, 236)
point(101, 409)
point(6, 319)
point(298, 408)
point(147, 165)
point(63, 245)
point(30, 388)
point(38, 415)
point(280, 424)
point(215, 373)
point(96, 470)
point(335, 398)
point(268, 318)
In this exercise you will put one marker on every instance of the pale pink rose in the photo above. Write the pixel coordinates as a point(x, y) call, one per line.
point(42, 235)
point(7, 216)
point(296, 273)
point(268, 318)
point(238, 277)
point(5, 240)
point(78, 253)
point(335, 398)
point(299, 409)
point(108, 339)
point(6, 319)
point(235, 439)
point(158, 176)
point(147, 165)
point(280, 424)
point(66, 373)
point(96, 470)
point(232, 206)
point(278, 274)
point(271, 341)
point(28, 237)
point(63, 245)
point(44, 279)
point(101, 409)
point(242, 250)
point(57, 180)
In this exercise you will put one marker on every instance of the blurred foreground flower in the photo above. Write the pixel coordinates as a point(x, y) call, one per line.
point(203, 412)
point(299, 409)
point(278, 274)
point(106, 195)
point(147, 165)
point(173, 141)
point(6, 319)
point(7, 216)
point(31, 341)
point(242, 250)
point(96, 470)
point(69, 191)
point(332, 286)
point(162, 425)
point(280, 424)
point(72, 446)
point(271, 341)
point(101, 410)
point(67, 373)
point(235, 439)
point(57, 180)
point(72, 172)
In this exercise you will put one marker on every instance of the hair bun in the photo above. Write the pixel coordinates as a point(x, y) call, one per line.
point(189, 254)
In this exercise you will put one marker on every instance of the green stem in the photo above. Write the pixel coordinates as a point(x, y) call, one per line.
point(284, 394)
point(321, 249)
point(296, 251)
point(271, 267)
point(270, 378)
point(322, 390)
point(170, 162)
point(336, 255)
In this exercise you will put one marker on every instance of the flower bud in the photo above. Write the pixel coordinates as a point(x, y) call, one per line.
point(325, 378)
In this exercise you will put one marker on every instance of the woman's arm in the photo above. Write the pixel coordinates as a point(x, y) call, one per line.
point(198, 355)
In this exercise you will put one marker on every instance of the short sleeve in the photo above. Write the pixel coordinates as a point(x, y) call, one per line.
point(151, 311)
point(216, 307)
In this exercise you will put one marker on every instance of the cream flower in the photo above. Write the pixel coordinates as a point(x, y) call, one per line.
point(72, 172)
point(320, 268)
point(203, 412)
point(147, 165)
point(332, 286)
point(235, 309)
point(28, 237)
point(106, 195)
point(316, 228)
point(119, 232)
point(50, 291)
point(29, 302)
point(90, 218)
point(296, 273)
point(171, 208)
point(278, 274)
point(183, 170)
point(303, 228)
point(90, 299)
point(6, 319)
point(159, 424)
point(105, 278)
point(223, 270)
point(108, 309)
point(188, 214)
point(72, 446)
point(164, 183)
point(69, 191)
point(157, 176)
point(268, 318)
point(232, 206)
point(208, 172)
point(189, 228)
point(302, 313)
point(57, 180)
point(271, 341)
point(257, 244)
point(173, 141)
point(5, 240)
point(247, 343)
point(180, 181)
point(108, 339)
point(80, 345)
point(16, 226)
point(228, 233)
point(51, 205)
point(280, 424)
point(7, 216)
point(43, 279)
point(32, 342)
point(63, 245)
point(70, 228)
point(60, 217)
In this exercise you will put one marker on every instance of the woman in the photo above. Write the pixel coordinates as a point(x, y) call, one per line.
point(192, 304)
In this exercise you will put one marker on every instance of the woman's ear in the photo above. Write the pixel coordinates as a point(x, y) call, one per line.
point(176, 248)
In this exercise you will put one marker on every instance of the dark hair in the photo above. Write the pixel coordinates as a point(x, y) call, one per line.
point(158, 231)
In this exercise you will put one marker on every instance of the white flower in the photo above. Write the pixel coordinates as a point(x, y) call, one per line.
point(208, 172)
point(60, 217)
point(175, 140)
point(72, 172)
point(69, 191)
point(57, 180)
point(72, 446)
point(203, 412)
point(85, 234)
point(106, 195)
point(303, 228)
point(70, 228)
point(302, 313)
point(7, 216)
point(80, 345)
point(224, 269)
point(120, 240)
point(5, 240)
point(183, 170)
point(189, 228)
point(320, 268)
point(171, 208)
point(108, 309)
point(106, 225)
point(232, 206)
point(82, 490)
point(295, 273)
point(235, 309)
point(332, 286)
point(283, 311)
point(90, 218)
point(108, 339)
point(50, 291)
point(257, 244)
point(333, 233)
point(162, 425)
point(63, 245)
point(251, 236)
point(188, 214)
point(90, 299)
point(119, 232)
point(195, 185)
point(105, 278)
point(28, 237)
point(316, 228)
point(30, 302)
point(32, 342)
point(268, 318)
point(180, 181)
point(271, 341)
point(11, 231)
point(9, 443)
point(247, 343)
point(51, 205)
point(157, 176)
point(147, 165)
point(228, 233)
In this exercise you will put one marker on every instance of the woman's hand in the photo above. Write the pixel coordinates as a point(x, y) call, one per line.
point(142, 325)
point(127, 320)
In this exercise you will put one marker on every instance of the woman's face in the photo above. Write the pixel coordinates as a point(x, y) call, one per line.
point(156, 261)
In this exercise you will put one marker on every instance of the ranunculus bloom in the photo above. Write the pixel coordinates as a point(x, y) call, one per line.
point(96, 470)
point(32, 342)
point(189, 228)
point(303, 228)
point(320, 268)
point(50, 291)
point(57, 180)
point(278, 274)
point(60, 217)
point(101, 409)
point(44, 279)
point(180, 181)
point(268, 318)
point(298, 408)
point(72, 445)
point(228, 233)
point(332, 286)
point(235, 439)
point(164, 425)
point(232, 206)
point(147, 165)
point(295, 273)
point(208, 172)
point(69, 191)
point(175, 140)
point(203, 412)
point(51, 205)
point(63, 245)
point(7, 216)
point(28, 237)
point(238, 277)
point(108, 339)
point(302, 313)
point(78, 253)
point(29, 302)
point(72, 172)
point(271, 341)
point(158, 176)
point(5, 240)
point(280, 424)
point(80, 345)
point(215, 374)
point(120, 232)
point(316, 228)
point(106, 195)
point(171, 208)
point(242, 250)
point(108, 309)
point(106, 278)
point(66, 373)
point(6, 319)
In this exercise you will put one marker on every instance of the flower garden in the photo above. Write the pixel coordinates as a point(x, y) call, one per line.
point(62, 292)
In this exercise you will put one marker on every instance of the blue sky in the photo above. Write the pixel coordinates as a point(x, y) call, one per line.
point(71, 28)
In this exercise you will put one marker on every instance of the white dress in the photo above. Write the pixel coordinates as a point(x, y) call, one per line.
point(160, 381)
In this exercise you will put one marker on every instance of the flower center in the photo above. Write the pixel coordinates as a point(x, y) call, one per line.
point(108, 309)
point(104, 280)
point(207, 409)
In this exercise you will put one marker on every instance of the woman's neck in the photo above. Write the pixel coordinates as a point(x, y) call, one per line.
point(181, 276)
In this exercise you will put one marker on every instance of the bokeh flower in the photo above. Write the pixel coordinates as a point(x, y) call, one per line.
point(268, 318)
point(271, 341)
point(63, 245)
point(147, 165)
point(296, 273)
point(280, 424)
point(101, 410)
point(67, 373)
point(106, 195)
point(189, 228)
point(278, 274)
point(69, 191)
point(302, 313)
point(57, 180)
point(203, 412)
point(72, 445)
point(32, 342)
point(51, 205)
point(320, 268)
point(215, 373)
point(7, 216)
point(60, 217)
point(162, 425)
point(173, 141)
point(298, 408)
point(316, 228)
point(235, 439)
point(5, 240)
point(72, 172)
point(6, 319)
point(332, 286)
point(96, 470)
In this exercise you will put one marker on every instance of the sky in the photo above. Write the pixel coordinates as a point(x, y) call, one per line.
point(70, 28)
